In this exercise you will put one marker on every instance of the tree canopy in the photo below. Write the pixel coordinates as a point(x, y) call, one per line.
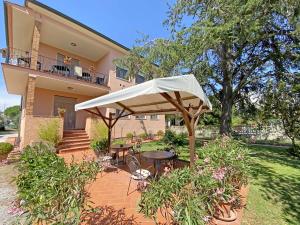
point(233, 47)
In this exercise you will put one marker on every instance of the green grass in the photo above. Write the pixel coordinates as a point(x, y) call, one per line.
point(274, 195)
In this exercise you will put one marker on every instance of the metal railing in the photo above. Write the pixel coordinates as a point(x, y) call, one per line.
point(45, 64)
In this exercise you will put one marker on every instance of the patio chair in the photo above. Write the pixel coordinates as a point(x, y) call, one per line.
point(136, 149)
point(136, 172)
point(174, 159)
point(105, 162)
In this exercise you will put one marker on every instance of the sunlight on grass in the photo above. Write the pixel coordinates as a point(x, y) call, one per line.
point(274, 196)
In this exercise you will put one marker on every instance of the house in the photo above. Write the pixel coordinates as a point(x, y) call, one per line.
point(54, 62)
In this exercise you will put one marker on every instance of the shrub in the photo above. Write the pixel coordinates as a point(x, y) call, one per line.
point(160, 133)
point(192, 195)
point(50, 132)
point(119, 141)
point(5, 148)
point(171, 138)
point(129, 136)
point(100, 130)
point(295, 150)
point(143, 136)
point(100, 146)
point(53, 192)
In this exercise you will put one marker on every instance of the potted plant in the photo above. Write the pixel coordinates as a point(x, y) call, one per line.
point(100, 147)
point(61, 112)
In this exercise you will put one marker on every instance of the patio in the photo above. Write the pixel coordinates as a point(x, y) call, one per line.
point(109, 194)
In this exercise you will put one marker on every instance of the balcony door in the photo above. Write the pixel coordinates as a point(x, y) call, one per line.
point(69, 105)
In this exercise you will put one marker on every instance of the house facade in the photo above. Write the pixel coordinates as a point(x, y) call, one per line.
point(55, 62)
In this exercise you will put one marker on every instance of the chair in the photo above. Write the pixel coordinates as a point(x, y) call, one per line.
point(105, 162)
point(136, 172)
point(136, 149)
point(174, 158)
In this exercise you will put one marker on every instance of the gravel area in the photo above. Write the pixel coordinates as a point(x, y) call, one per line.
point(7, 193)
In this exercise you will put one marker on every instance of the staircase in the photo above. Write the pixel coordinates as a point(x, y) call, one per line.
point(74, 140)
point(14, 155)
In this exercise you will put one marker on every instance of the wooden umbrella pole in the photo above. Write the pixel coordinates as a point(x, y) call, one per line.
point(109, 130)
point(192, 142)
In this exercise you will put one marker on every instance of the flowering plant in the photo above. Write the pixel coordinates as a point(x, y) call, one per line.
point(192, 195)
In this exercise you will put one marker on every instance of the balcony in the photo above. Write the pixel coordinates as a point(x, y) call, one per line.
point(52, 66)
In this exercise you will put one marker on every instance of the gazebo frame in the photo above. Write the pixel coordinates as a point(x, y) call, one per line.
point(190, 115)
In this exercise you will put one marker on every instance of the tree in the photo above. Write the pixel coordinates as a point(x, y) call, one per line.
point(232, 47)
point(282, 99)
point(13, 113)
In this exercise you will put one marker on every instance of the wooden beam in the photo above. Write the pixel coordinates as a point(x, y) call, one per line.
point(91, 112)
point(175, 104)
point(98, 110)
point(125, 107)
point(117, 118)
point(102, 117)
point(178, 98)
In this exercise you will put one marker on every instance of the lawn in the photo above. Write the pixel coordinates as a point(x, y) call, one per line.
point(274, 196)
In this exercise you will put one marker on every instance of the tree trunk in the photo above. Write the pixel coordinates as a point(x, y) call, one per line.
point(226, 110)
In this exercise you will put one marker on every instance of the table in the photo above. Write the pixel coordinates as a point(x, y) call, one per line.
point(118, 148)
point(157, 156)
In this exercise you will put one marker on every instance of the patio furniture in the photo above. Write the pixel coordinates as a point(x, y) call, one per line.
point(136, 172)
point(136, 149)
point(105, 162)
point(61, 69)
point(117, 148)
point(157, 157)
point(86, 76)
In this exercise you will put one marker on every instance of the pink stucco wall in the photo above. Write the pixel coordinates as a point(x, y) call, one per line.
point(44, 104)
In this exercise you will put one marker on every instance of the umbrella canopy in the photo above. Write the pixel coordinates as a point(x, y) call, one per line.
point(150, 97)
point(161, 96)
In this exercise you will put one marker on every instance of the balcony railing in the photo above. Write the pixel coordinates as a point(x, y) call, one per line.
point(49, 65)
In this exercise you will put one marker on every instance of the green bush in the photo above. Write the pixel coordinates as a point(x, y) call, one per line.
point(5, 148)
point(160, 133)
point(100, 130)
point(49, 132)
point(192, 195)
point(129, 136)
point(295, 150)
point(100, 146)
point(171, 138)
point(143, 136)
point(53, 192)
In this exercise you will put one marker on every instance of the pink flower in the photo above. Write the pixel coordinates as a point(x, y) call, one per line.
point(207, 160)
point(220, 191)
point(206, 218)
point(219, 174)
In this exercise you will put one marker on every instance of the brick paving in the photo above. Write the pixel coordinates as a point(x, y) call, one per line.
point(109, 194)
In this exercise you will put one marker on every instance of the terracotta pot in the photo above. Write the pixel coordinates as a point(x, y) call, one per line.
point(225, 212)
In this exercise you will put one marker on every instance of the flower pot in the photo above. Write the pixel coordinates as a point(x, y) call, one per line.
point(225, 212)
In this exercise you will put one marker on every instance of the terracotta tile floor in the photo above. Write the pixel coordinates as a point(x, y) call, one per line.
point(109, 194)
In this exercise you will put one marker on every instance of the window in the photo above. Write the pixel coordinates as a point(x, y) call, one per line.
point(154, 117)
point(118, 111)
point(140, 117)
point(121, 73)
point(139, 79)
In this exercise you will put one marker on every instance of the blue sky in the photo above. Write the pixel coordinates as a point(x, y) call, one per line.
point(123, 21)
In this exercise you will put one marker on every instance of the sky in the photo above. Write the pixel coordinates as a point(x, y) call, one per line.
point(122, 21)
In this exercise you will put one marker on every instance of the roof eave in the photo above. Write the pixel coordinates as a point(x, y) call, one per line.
point(76, 22)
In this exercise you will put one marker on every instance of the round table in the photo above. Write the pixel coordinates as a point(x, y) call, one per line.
point(118, 148)
point(157, 156)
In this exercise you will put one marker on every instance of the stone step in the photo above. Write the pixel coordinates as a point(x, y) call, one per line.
point(73, 140)
point(74, 149)
point(74, 131)
point(75, 136)
point(70, 145)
